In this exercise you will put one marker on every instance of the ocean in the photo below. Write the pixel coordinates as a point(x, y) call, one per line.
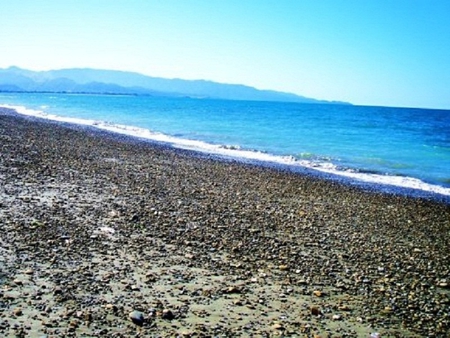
point(388, 148)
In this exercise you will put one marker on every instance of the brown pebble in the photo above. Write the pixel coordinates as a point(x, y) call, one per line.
point(387, 310)
point(277, 326)
point(343, 308)
point(17, 311)
point(283, 267)
point(317, 293)
point(74, 323)
point(315, 311)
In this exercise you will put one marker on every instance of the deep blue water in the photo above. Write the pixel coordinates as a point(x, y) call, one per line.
point(388, 145)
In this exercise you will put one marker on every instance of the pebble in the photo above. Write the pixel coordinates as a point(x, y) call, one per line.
point(111, 307)
point(277, 326)
point(17, 312)
point(57, 290)
point(167, 314)
point(283, 267)
point(344, 308)
point(317, 293)
point(232, 289)
point(18, 282)
point(315, 311)
point(136, 317)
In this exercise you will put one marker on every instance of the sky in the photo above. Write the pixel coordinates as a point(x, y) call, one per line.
point(366, 52)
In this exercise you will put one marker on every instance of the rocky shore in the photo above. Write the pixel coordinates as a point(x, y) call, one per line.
point(106, 236)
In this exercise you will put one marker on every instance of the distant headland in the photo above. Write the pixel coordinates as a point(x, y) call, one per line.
point(98, 81)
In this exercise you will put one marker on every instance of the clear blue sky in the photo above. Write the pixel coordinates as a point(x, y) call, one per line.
point(369, 52)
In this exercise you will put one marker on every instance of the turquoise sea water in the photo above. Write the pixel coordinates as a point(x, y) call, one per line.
point(400, 146)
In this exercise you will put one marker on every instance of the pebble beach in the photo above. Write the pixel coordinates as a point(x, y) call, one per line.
point(103, 235)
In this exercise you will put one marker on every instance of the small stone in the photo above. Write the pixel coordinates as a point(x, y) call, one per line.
point(111, 307)
point(283, 267)
point(387, 310)
point(150, 277)
point(233, 289)
point(277, 326)
point(57, 290)
point(137, 317)
point(17, 311)
point(28, 271)
point(18, 282)
point(315, 311)
point(88, 317)
point(343, 308)
point(341, 285)
point(317, 293)
point(46, 323)
point(74, 323)
point(336, 317)
point(167, 314)
point(113, 214)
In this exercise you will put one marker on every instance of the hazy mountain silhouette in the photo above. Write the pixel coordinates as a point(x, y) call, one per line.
point(85, 80)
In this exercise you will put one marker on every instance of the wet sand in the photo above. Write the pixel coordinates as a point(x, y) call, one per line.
point(105, 235)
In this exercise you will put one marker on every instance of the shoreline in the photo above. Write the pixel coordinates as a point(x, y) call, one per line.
point(98, 225)
point(368, 180)
point(414, 188)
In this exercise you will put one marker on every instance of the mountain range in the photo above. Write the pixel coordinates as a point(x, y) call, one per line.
point(97, 81)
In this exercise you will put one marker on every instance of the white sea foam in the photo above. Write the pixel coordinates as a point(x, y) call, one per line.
point(237, 152)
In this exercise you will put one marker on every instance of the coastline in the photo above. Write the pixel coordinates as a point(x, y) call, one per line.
point(98, 225)
point(384, 181)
